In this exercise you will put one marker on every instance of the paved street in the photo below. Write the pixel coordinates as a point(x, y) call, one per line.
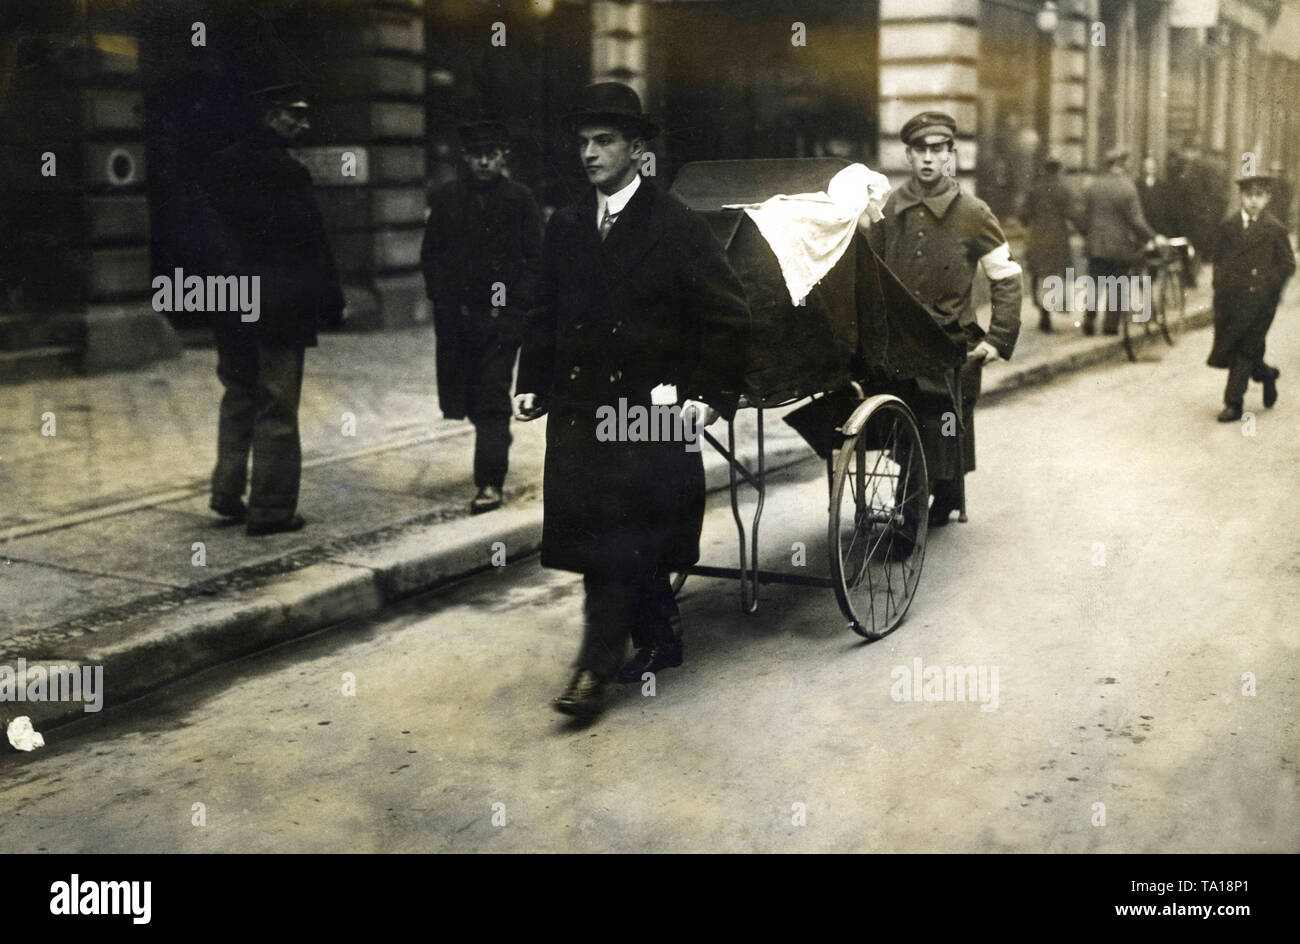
point(1127, 561)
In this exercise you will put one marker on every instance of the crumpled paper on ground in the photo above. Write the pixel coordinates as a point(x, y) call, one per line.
point(23, 736)
point(809, 232)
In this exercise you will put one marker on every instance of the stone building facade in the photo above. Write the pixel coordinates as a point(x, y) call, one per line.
point(125, 98)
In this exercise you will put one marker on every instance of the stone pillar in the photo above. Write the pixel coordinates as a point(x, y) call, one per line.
point(618, 43)
point(1157, 105)
point(80, 297)
point(1070, 113)
point(372, 106)
point(928, 50)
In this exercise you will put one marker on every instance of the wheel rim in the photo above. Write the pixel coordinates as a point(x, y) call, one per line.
point(879, 507)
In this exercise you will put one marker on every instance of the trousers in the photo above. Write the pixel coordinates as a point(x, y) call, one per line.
point(1244, 367)
point(623, 602)
point(489, 347)
point(259, 415)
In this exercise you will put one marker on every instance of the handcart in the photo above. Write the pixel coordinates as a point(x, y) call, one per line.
point(848, 350)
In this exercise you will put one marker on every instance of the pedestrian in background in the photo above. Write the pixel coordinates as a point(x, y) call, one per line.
point(637, 306)
point(1279, 204)
point(481, 254)
point(934, 237)
point(1049, 207)
point(1154, 195)
point(1252, 260)
point(263, 219)
point(1116, 230)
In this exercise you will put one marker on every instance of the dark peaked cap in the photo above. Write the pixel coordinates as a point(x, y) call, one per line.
point(484, 133)
point(613, 102)
point(928, 123)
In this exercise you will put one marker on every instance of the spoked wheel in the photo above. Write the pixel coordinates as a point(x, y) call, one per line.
point(879, 518)
point(1160, 306)
point(1174, 297)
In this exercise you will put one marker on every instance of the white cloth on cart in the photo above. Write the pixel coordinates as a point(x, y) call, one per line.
point(809, 232)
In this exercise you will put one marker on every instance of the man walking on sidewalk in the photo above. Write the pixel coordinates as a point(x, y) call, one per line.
point(637, 307)
point(481, 253)
point(264, 223)
point(934, 236)
point(1116, 230)
point(1252, 260)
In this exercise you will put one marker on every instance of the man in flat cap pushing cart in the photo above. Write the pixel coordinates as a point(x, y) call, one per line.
point(934, 236)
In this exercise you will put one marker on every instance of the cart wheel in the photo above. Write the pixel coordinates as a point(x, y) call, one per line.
point(878, 518)
point(677, 580)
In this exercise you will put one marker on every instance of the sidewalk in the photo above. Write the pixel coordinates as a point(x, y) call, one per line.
point(109, 556)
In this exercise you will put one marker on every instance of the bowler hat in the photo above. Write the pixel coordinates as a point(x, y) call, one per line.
point(483, 133)
point(613, 102)
point(928, 123)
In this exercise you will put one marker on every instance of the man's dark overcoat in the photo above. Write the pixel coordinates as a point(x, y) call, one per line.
point(477, 236)
point(263, 220)
point(1049, 207)
point(1250, 268)
point(655, 303)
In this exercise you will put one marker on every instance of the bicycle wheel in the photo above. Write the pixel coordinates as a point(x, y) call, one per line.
point(1160, 311)
point(1177, 298)
point(879, 519)
point(1126, 334)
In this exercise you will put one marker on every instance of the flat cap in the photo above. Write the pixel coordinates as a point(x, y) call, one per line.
point(928, 123)
point(1117, 153)
point(1252, 181)
point(484, 133)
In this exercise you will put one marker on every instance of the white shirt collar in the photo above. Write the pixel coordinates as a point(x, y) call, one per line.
point(615, 201)
point(1245, 219)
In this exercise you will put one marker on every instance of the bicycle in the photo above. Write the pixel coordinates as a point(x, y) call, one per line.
point(1163, 262)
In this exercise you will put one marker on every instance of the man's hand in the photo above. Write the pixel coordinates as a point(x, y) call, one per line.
point(704, 414)
point(984, 351)
point(527, 406)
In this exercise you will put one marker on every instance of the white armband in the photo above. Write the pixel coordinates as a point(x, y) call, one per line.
point(998, 264)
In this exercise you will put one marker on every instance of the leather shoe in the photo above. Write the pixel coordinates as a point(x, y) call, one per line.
point(233, 508)
point(651, 659)
point(261, 528)
point(1230, 414)
point(487, 499)
point(584, 697)
point(1270, 387)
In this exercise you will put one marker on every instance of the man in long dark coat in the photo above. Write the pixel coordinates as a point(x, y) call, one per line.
point(1252, 259)
point(1049, 208)
point(934, 236)
point(637, 306)
point(263, 220)
point(481, 254)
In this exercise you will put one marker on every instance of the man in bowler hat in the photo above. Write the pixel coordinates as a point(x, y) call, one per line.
point(636, 303)
point(1252, 260)
point(481, 253)
point(934, 236)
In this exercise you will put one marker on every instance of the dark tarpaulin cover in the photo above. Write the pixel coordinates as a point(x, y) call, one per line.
point(858, 322)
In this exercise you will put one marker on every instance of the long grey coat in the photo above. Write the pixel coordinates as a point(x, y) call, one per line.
point(655, 303)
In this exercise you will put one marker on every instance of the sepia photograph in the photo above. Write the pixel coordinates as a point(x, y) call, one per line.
point(550, 426)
